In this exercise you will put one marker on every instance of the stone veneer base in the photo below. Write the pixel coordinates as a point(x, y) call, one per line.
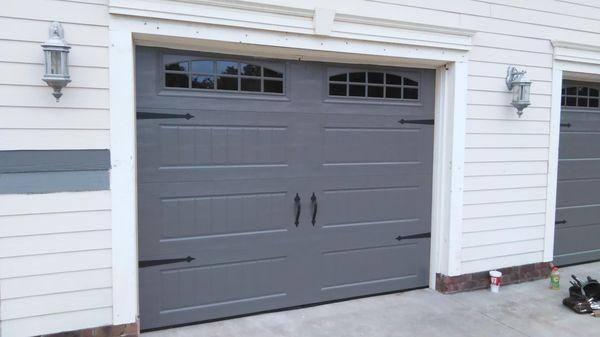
point(510, 275)
point(123, 330)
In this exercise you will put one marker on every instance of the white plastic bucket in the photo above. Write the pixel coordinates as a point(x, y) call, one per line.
point(495, 280)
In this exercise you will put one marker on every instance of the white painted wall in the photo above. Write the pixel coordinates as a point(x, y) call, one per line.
point(55, 249)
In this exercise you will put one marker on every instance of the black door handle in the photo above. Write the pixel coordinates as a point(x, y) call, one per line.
point(298, 209)
point(313, 200)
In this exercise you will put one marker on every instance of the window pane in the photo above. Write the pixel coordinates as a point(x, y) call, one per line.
point(393, 79)
point(179, 66)
point(205, 67)
point(563, 101)
point(250, 69)
point(336, 89)
point(272, 73)
point(571, 90)
point(563, 91)
point(375, 91)
point(358, 77)
point(203, 82)
point(408, 81)
point(375, 77)
point(593, 92)
point(411, 93)
point(582, 91)
point(227, 83)
point(250, 84)
point(273, 86)
point(357, 90)
point(582, 102)
point(571, 101)
point(230, 68)
point(176, 80)
point(593, 102)
point(393, 92)
point(339, 78)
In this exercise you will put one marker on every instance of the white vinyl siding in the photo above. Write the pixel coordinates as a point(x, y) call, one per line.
point(55, 249)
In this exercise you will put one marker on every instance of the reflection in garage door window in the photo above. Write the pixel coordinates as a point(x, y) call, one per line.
point(580, 96)
point(223, 75)
point(373, 85)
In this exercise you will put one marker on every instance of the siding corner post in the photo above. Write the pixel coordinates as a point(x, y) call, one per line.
point(123, 177)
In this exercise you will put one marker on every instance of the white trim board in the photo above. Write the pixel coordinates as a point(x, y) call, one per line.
point(570, 61)
point(451, 96)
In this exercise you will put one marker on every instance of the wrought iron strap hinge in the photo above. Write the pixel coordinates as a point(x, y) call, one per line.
point(417, 121)
point(150, 115)
point(560, 222)
point(415, 236)
point(565, 125)
point(150, 263)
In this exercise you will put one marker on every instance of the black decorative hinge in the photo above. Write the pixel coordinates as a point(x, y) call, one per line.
point(561, 222)
point(150, 115)
point(417, 121)
point(415, 236)
point(150, 263)
point(565, 125)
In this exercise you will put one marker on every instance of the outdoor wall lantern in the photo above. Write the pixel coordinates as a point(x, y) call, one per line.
point(56, 52)
point(519, 84)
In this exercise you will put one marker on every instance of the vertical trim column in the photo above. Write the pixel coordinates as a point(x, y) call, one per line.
point(123, 177)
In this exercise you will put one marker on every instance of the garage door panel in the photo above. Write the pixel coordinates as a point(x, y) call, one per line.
point(579, 169)
point(585, 248)
point(579, 144)
point(578, 193)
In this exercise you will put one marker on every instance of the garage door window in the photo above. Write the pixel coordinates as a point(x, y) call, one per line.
point(580, 96)
point(223, 76)
point(373, 85)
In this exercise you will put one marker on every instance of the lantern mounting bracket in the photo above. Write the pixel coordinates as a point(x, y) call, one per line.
point(512, 75)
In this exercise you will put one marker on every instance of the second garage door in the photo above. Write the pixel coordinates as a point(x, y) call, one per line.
point(266, 184)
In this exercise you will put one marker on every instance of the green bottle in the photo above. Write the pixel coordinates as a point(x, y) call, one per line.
point(554, 278)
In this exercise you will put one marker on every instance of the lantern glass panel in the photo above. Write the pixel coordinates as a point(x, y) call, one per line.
point(55, 62)
point(525, 91)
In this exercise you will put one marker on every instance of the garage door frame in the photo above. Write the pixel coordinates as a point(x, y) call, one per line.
point(574, 62)
point(449, 133)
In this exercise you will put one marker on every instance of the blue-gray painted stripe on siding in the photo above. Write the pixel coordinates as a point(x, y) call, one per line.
point(48, 182)
point(54, 160)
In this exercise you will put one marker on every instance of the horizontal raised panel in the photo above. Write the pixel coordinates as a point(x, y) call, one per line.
point(507, 113)
point(504, 195)
point(54, 263)
point(29, 52)
point(510, 181)
point(491, 69)
point(503, 222)
point(480, 140)
point(505, 98)
point(508, 154)
point(502, 236)
point(46, 324)
point(36, 224)
point(517, 128)
point(497, 262)
point(55, 303)
point(63, 11)
point(54, 118)
point(503, 209)
point(54, 202)
point(499, 40)
point(33, 96)
point(53, 139)
point(499, 85)
point(55, 283)
point(54, 243)
point(507, 56)
point(505, 168)
point(502, 249)
point(31, 75)
point(18, 29)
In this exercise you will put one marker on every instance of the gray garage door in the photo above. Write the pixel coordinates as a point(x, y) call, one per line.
point(578, 195)
point(268, 184)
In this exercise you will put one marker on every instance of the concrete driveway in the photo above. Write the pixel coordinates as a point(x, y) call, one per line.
point(528, 309)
